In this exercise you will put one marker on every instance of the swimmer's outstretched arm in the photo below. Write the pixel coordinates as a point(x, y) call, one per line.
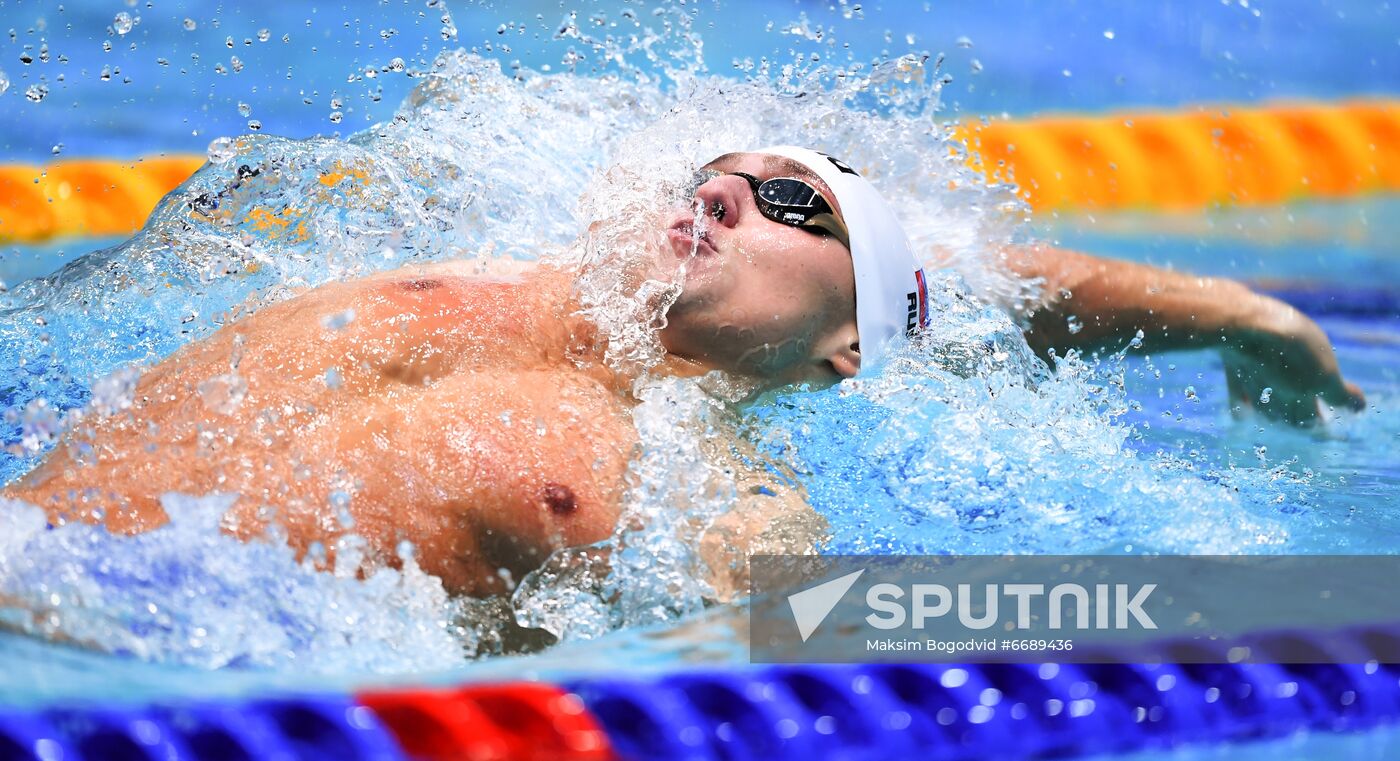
point(1264, 342)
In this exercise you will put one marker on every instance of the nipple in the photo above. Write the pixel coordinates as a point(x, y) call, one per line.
point(559, 498)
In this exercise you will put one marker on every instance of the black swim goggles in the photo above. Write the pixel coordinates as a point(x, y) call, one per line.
point(787, 201)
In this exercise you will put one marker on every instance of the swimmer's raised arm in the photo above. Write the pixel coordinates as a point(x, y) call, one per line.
point(1264, 342)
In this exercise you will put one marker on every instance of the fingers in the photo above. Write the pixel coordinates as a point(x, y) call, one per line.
point(1343, 395)
point(1355, 399)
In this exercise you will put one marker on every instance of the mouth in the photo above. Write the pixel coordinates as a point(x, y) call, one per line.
point(686, 243)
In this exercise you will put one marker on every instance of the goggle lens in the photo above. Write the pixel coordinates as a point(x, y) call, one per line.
point(788, 201)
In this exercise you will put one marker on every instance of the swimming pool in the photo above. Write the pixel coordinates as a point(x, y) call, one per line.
point(1084, 463)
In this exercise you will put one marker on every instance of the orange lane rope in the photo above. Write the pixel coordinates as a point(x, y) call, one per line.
point(1191, 160)
point(1175, 161)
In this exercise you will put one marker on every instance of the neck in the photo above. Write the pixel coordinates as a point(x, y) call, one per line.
point(586, 343)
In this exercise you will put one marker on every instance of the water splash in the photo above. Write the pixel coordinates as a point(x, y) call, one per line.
point(966, 443)
point(186, 593)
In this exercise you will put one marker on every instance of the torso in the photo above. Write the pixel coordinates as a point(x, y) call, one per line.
point(463, 414)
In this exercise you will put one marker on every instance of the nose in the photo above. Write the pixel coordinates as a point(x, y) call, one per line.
point(726, 199)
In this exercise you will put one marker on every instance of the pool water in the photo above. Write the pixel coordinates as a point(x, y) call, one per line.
point(964, 443)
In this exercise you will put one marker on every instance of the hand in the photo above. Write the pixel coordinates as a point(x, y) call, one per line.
point(1283, 352)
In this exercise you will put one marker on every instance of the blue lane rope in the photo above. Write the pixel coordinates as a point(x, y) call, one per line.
point(1332, 301)
point(278, 729)
point(806, 713)
point(961, 713)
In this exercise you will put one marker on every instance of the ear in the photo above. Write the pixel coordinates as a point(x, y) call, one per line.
point(847, 361)
point(843, 351)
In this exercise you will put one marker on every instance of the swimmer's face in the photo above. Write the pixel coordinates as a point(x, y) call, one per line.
point(759, 297)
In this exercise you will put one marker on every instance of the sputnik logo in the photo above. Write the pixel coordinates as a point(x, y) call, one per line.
point(810, 607)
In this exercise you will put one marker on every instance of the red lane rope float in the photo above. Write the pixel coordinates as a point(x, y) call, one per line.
point(492, 722)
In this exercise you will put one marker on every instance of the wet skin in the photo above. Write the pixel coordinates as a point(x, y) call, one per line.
point(471, 416)
point(468, 417)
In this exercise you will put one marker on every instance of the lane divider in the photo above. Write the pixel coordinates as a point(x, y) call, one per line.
point(87, 198)
point(491, 722)
point(1350, 301)
point(301, 728)
point(1175, 161)
point(1191, 160)
point(1134, 699)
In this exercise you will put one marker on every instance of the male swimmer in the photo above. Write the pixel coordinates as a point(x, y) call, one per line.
point(476, 418)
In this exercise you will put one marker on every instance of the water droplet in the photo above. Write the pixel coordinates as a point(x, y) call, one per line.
point(264, 35)
point(190, 25)
point(39, 425)
point(976, 66)
point(1191, 394)
point(1066, 72)
point(396, 64)
point(106, 74)
point(236, 63)
point(36, 93)
point(122, 23)
point(221, 149)
point(338, 320)
point(340, 502)
point(57, 149)
point(1266, 395)
point(228, 42)
point(244, 109)
point(254, 125)
point(1073, 324)
point(223, 394)
point(964, 42)
point(4, 82)
point(1108, 34)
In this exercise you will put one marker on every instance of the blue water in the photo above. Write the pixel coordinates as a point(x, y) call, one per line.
point(963, 445)
point(1029, 57)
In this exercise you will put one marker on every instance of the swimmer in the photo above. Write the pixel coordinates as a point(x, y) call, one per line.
point(475, 416)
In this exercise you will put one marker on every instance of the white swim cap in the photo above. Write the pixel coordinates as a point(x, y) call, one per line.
point(891, 295)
